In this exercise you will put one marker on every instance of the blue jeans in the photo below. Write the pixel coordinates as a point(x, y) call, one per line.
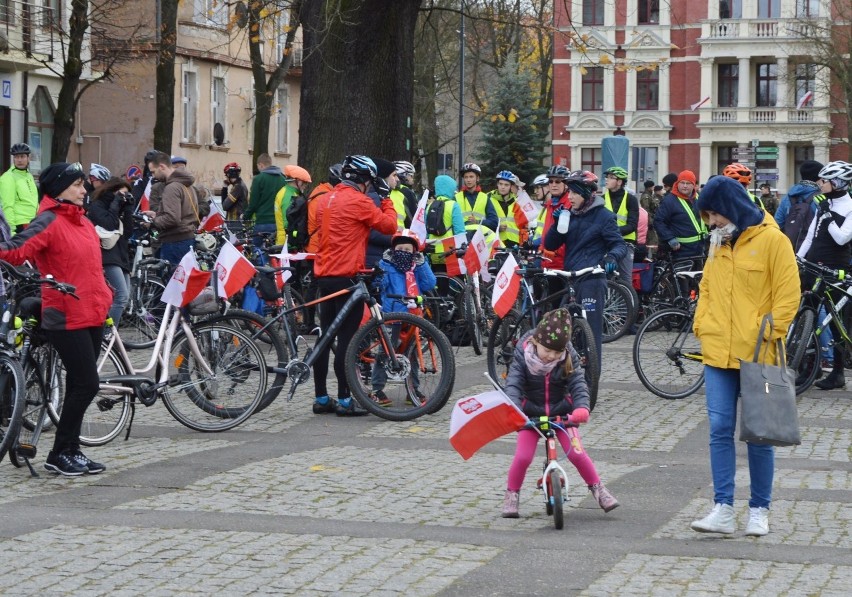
point(120, 282)
point(174, 252)
point(722, 387)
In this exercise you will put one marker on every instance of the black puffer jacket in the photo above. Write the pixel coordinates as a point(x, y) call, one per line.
point(552, 394)
point(106, 211)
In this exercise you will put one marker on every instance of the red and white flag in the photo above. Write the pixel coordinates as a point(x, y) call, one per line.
point(526, 211)
point(477, 254)
point(809, 96)
point(284, 261)
point(506, 287)
point(215, 219)
point(418, 220)
point(233, 270)
point(186, 283)
point(480, 419)
point(697, 105)
point(145, 199)
point(455, 266)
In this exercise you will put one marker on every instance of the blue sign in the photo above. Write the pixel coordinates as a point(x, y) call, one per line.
point(7, 89)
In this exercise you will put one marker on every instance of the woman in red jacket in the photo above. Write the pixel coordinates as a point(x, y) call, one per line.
point(63, 243)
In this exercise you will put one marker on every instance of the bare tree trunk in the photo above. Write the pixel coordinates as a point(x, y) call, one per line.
point(359, 63)
point(165, 106)
point(66, 105)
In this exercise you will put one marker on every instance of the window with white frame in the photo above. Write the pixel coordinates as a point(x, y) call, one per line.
point(805, 75)
point(282, 119)
point(218, 102)
point(51, 15)
point(211, 12)
point(189, 101)
point(808, 9)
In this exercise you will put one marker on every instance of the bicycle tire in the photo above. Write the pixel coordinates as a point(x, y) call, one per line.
point(502, 338)
point(110, 410)
point(619, 311)
point(34, 415)
point(52, 373)
point(797, 337)
point(474, 331)
point(12, 401)
point(661, 297)
point(231, 395)
point(667, 355)
point(810, 365)
point(556, 498)
point(584, 343)
point(451, 302)
point(140, 324)
point(272, 346)
point(432, 308)
point(435, 373)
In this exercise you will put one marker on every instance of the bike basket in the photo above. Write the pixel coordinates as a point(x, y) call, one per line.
point(204, 304)
point(643, 277)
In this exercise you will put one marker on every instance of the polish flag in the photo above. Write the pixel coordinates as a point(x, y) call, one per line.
point(506, 287)
point(284, 261)
point(455, 266)
point(809, 96)
point(418, 220)
point(480, 419)
point(186, 283)
point(233, 270)
point(477, 254)
point(145, 199)
point(526, 211)
point(215, 219)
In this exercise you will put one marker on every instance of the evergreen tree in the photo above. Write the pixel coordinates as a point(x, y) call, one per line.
point(515, 135)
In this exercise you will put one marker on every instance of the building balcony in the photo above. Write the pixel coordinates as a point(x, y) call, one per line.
point(27, 35)
point(769, 30)
point(763, 115)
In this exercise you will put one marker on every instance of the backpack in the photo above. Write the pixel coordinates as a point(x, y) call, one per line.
point(297, 223)
point(798, 221)
point(435, 219)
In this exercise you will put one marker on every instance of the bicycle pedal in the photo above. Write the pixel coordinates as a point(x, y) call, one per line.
point(26, 450)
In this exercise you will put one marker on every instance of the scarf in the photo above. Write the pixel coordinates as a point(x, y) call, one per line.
point(718, 236)
point(535, 365)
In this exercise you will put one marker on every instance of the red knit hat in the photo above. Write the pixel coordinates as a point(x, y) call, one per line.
point(687, 175)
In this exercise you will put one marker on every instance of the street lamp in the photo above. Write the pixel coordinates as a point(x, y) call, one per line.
point(460, 157)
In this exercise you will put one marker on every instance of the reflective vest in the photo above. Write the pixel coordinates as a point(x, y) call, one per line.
point(697, 223)
point(511, 234)
point(477, 211)
point(757, 200)
point(282, 201)
point(399, 205)
point(449, 205)
point(621, 215)
point(491, 238)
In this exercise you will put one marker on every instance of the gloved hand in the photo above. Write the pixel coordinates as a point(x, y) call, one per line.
point(674, 244)
point(609, 264)
point(381, 186)
point(557, 212)
point(823, 207)
point(580, 415)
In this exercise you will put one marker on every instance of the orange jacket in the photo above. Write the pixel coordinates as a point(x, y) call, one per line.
point(345, 218)
point(313, 239)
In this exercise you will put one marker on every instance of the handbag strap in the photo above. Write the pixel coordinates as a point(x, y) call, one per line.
point(781, 352)
point(191, 203)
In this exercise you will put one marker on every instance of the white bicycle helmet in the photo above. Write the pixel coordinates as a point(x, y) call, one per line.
point(404, 169)
point(839, 174)
point(540, 181)
point(99, 172)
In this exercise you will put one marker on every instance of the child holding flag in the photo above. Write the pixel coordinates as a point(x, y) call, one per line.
point(406, 273)
point(546, 378)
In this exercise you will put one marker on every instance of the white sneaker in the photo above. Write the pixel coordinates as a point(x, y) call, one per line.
point(758, 522)
point(720, 520)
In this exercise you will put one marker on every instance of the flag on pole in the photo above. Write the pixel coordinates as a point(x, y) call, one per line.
point(477, 255)
point(526, 211)
point(284, 261)
point(213, 220)
point(455, 266)
point(418, 220)
point(506, 287)
point(233, 270)
point(145, 199)
point(809, 96)
point(186, 283)
point(697, 105)
point(480, 419)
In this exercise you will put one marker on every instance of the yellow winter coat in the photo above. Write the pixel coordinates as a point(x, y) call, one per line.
point(741, 285)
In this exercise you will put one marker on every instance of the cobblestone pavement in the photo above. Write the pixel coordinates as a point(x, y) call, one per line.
point(296, 504)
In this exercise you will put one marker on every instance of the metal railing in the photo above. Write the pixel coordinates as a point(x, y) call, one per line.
point(27, 27)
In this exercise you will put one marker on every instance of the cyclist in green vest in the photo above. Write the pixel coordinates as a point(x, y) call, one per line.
point(625, 206)
point(679, 226)
point(503, 200)
point(474, 203)
point(452, 222)
point(403, 196)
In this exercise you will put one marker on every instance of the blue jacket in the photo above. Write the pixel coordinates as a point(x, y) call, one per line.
point(672, 221)
point(801, 191)
point(377, 243)
point(592, 235)
point(393, 282)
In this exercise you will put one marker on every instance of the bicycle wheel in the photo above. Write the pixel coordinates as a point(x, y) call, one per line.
point(271, 345)
point(110, 410)
point(432, 308)
point(34, 415)
point(662, 296)
point(667, 355)
point(12, 401)
point(53, 374)
point(422, 380)
point(797, 337)
point(502, 339)
point(471, 317)
point(809, 366)
point(227, 396)
point(140, 322)
point(584, 343)
point(619, 311)
point(554, 481)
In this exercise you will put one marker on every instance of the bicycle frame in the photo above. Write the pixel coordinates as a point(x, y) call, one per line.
point(833, 309)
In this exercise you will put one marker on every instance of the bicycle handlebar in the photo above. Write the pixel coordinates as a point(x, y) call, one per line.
point(32, 277)
point(530, 271)
point(543, 423)
point(816, 268)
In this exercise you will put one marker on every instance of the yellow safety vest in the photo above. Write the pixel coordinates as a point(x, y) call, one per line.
point(757, 200)
point(399, 205)
point(478, 209)
point(621, 215)
point(511, 234)
point(449, 205)
point(698, 224)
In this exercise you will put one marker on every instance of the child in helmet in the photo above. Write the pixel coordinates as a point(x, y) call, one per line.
point(406, 273)
point(546, 378)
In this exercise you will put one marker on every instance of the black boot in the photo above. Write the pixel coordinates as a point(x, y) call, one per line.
point(834, 381)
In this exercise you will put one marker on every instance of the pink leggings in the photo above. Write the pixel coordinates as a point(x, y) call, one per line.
point(571, 444)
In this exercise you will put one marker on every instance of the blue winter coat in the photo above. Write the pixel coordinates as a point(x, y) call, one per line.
point(393, 282)
point(801, 191)
point(377, 243)
point(592, 235)
point(672, 221)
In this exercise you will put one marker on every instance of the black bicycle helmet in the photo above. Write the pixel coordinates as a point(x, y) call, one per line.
point(560, 172)
point(19, 148)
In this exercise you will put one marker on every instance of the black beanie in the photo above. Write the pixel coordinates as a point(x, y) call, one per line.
point(57, 177)
point(809, 170)
point(384, 168)
point(669, 179)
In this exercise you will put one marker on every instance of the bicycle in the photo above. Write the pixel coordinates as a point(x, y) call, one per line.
point(12, 389)
point(554, 480)
point(620, 310)
point(425, 350)
point(666, 291)
point(506, 332)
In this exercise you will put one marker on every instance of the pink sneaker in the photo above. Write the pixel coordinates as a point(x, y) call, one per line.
point(510, 504)
point(605, 499)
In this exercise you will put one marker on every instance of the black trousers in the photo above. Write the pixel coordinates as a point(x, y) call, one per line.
point(348, 327)
point(79, 351)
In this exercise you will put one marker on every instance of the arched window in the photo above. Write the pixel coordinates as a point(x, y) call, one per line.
point(40, 129)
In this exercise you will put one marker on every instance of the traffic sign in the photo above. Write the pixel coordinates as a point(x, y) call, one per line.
point(767, 151)
point(766, 177)
point(744, 156)
point(767, 171)
point(747, 163)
